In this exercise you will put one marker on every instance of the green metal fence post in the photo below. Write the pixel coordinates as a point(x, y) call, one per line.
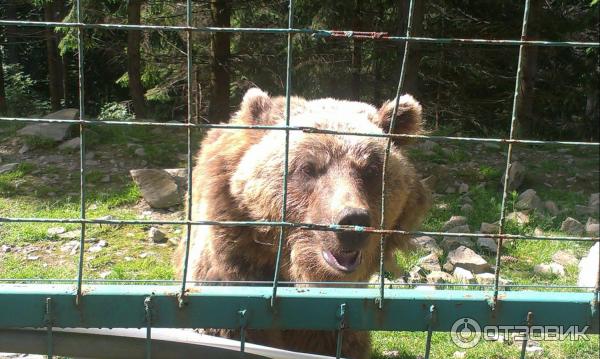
point(49, 324)
point(288, 91)
point(513, 120)
point(341, 315)
point(148, 316)
point(431, 322)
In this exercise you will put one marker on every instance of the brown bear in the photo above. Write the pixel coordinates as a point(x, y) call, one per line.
point(332, 179)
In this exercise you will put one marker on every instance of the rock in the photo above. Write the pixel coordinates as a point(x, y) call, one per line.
point(55, 231)
point(140, 152)
point(591, 227)
point(70, 234)
point(430, 263)
point(24, 149)
point(466, 258)
point(488, 278)
point(487, 244)
point(489, 228)
point(180, 177)
point(97, 247)
point(8, 167)
point(5, 248)
point(551, 207)
point(516, 175)
point(155, 235)
point(71, 247)
point(594, 202)
point(439, 277)
point(31, 257)
point(565, 258)
point(463, 275)
point(427, 243)
point(391, 353)
point(588, 267)
point(459, 355)
point(71, 144)
point(52, 131)
point(466, 208)
point(534, 349)
point(158, 188)
point(572, 226)
point(538, 232)
point(529, 200)
point(450, 190)
point(454, 221)
point(463, 188)
point(450, 243)
point(549, 269)
point(416, 275)
point(173, 241)
point(520, 218)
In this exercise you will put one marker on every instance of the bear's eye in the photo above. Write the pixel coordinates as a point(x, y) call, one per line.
point(373, 170)
point(309, 169)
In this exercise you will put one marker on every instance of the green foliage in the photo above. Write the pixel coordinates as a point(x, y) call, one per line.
point(21, 97)
point(115, 111)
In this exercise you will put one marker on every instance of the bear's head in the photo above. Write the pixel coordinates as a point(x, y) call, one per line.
point(332, 179)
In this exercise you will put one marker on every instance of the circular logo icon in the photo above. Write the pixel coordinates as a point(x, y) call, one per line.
point(465, 333)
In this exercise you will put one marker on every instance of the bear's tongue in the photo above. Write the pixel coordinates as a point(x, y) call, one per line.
point(346, 261)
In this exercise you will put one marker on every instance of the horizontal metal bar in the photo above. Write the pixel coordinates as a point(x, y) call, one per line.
point(108, 306)
point(305, 226)
point(315, 32)
point(130, 343)
point(300, 128)
point(287, 283)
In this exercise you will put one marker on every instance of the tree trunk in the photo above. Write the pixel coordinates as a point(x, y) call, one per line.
point(2, 90)
point(356, 51)
point(55, 85)
point(219, 103)
point(527, 123)
point(414, 56)
point(136, 90)
point(12, 34)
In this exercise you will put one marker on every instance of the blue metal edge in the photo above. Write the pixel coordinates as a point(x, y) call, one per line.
point(119, 306)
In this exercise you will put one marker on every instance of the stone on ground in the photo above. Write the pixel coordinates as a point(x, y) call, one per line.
point(158, 187)
point(439, 277)
point(430, 263)
point(591, 227)
point(8, 167)
point(549, 269)
point(551, 207)
point(466, 258)
point(71, 144)
point(529, 200)
point(520, 218)
point(52, 131)
point(427, 243)
point(487, 244)
point(454, 221)
point(489, 228)
point(572, 226)
point(155, 235)
point(463, 276)
point(565, 258)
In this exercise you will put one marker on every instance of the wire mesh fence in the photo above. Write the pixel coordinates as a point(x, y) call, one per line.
point(277, 304)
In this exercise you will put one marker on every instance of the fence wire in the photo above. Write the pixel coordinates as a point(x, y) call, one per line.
point(149, 302)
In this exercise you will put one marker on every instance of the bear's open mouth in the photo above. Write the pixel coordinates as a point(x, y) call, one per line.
point(346, 261)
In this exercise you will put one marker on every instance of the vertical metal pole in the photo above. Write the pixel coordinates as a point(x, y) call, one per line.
point(387, 154)
point(342, 324)
point(48, 320)
point(80, 48)
point(432, 317)
point(513, 120)
point(288, 86)
point(188, 21)
point(243, 322)
point(526, 339)
point(148, 313)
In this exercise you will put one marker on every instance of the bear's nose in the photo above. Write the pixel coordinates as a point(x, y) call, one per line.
point(351, 216)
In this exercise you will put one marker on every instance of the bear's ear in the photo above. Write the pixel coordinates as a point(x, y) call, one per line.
point(408, 118)
point(255, 107)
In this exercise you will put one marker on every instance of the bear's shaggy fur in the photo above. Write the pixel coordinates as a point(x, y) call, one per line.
point(332, 179)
